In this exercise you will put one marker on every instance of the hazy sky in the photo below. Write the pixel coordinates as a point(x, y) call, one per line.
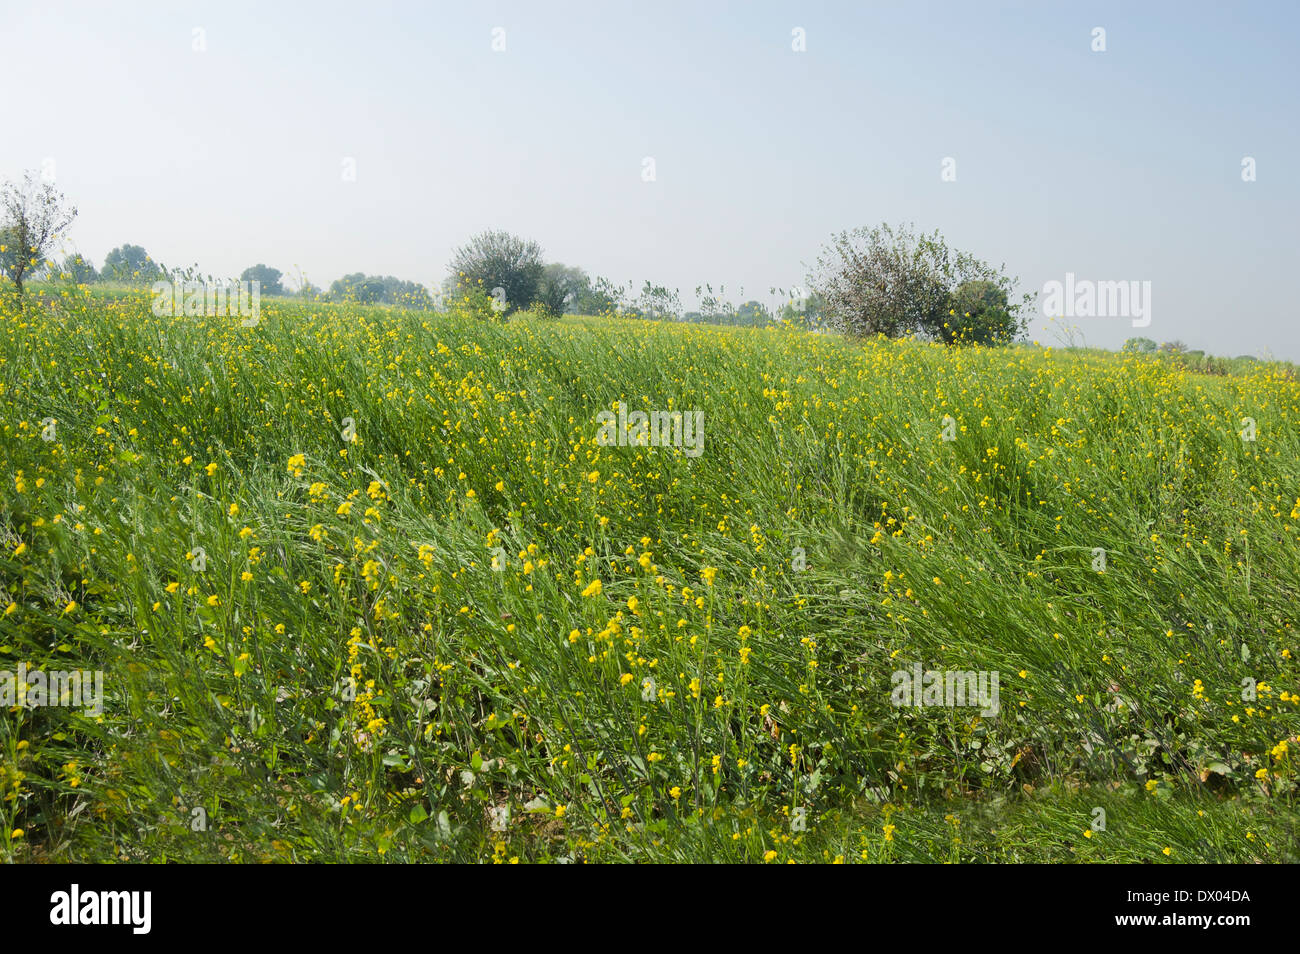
point(1123, 165)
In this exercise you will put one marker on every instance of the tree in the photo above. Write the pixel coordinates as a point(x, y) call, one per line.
point(80, 270)
point(658, 303)
point(803, 309)
point(358, 287)
point(978, 314)
point(895, 282)
point(267, 278)
point(369, 291)
point(34, 214)
point(1139, 345)
point(500, 260)
point(130, 263)
point(753, 313)
point(600, 297)
point(376, 290)
point(341, 288)
point(715, 309)
point(563, 288)
point(407, 294)
point(881, 282)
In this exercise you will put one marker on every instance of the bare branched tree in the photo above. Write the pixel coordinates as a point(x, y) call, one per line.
point(34, 214)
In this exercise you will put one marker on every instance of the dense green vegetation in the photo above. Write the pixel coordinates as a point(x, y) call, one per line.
point(277, 543)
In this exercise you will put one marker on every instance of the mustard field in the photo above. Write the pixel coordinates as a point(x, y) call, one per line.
point(362, 583)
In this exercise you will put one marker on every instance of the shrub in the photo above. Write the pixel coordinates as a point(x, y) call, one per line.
point(473, 301)
point(539, 309)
